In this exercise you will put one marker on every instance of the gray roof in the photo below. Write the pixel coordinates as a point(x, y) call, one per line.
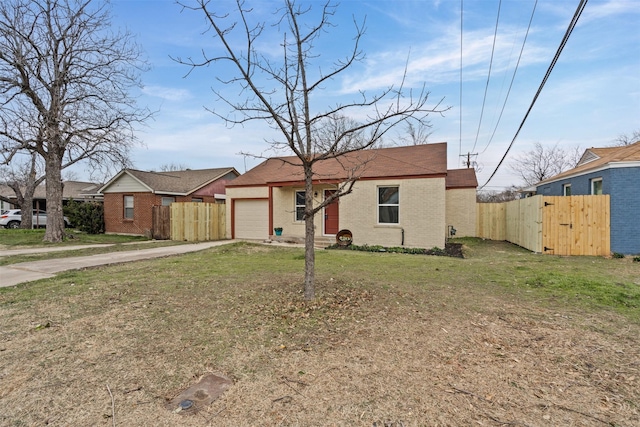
point(77, 190)
point(175, 182)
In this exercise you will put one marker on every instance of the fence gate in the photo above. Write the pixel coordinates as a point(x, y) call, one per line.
point(161, 228)
point(196, 222)
point(576, 225)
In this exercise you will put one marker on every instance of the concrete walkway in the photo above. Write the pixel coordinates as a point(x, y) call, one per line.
point(14, 274)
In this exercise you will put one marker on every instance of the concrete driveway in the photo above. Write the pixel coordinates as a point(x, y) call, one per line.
point(14, 274)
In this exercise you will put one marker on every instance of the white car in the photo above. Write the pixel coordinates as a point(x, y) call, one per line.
point(12, 219)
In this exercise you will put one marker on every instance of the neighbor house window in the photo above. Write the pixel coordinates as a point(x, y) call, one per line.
point(299, 205)
point(196, 200)
point(128, 207)
point(166, 201)
point(596, 186)
point(388, 205)
point(566, 190)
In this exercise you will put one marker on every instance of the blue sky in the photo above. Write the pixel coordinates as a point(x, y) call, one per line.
point(591, 97)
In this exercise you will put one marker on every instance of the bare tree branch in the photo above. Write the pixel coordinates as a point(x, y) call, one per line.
point(541, 163)
point(627, 138)
point(65, 82)
point(283, 93)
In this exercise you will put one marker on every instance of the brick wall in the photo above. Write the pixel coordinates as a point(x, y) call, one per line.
point(461, 211)
point(143, 204)
point(625, 206)
point(422, 214)
point(114, 221)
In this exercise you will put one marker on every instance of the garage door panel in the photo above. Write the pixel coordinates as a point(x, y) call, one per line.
point(251, 219)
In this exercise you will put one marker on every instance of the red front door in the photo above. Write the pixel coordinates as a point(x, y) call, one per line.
point(331, 222)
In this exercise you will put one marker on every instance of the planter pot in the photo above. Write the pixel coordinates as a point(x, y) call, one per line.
point(278, 231)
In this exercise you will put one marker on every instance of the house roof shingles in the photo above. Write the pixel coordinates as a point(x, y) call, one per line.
point(177, 182)
point(395, 162)
point(461, 178)
point(604, 156)
point(77, 190)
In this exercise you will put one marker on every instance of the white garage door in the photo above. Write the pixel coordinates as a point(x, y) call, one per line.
point(251, 219)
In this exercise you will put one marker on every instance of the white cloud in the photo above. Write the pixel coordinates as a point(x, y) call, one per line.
point(438, 61)
point(595, 11)
point(168, 93)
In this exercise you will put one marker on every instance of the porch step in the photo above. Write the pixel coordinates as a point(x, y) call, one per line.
point(324, 241)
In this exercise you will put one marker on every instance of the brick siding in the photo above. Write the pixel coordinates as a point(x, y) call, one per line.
point(143, 203)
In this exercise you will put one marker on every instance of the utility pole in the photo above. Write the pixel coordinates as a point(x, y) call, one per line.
point(468, 156)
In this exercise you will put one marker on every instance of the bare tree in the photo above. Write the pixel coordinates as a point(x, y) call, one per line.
point(65, 78)
point(23, 177)
point(170, 167)
point(627, 138)
point(506, 195)
point(541, 163)
point(282, 92)
point(416, 135)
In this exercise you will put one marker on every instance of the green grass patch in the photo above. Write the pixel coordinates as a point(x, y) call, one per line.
point(498, 269)
point(34, 238)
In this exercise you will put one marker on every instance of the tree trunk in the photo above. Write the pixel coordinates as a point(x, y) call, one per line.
point(55, 218)
point(24, 201)
point(26, 207)
point(309, 237)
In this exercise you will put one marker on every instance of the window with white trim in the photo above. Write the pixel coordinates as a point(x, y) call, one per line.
point(128, 207)
point(566, 190)
point(388, 205)
point(299, 205)
point(596, 186)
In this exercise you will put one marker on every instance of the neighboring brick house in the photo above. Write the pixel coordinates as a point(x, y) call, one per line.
point(403, 196)
point(614, 171)
point(130, 196)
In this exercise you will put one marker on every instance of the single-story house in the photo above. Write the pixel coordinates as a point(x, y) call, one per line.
point(80, 191)
point(614, 171)
point(129, 196)
point(403, 196)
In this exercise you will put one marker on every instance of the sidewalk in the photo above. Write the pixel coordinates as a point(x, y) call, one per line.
point(14, 274)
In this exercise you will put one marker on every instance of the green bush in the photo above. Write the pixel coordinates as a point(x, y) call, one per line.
point(87, 217)
point(394, 249)
point(618, 255)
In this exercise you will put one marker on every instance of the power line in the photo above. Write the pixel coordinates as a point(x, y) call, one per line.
point(513, 77)
point(486, 88)
point(461, 15)
point(572, 25)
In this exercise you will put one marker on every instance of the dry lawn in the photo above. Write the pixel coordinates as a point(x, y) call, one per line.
point(392, 340)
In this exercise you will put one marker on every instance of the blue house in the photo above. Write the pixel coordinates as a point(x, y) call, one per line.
point(614, 171)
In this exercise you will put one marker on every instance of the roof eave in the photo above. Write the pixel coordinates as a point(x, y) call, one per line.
point(610, 165)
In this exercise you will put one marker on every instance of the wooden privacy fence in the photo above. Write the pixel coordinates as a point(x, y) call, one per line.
point(161, 220)
point(559, 225)
point(192, 222)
